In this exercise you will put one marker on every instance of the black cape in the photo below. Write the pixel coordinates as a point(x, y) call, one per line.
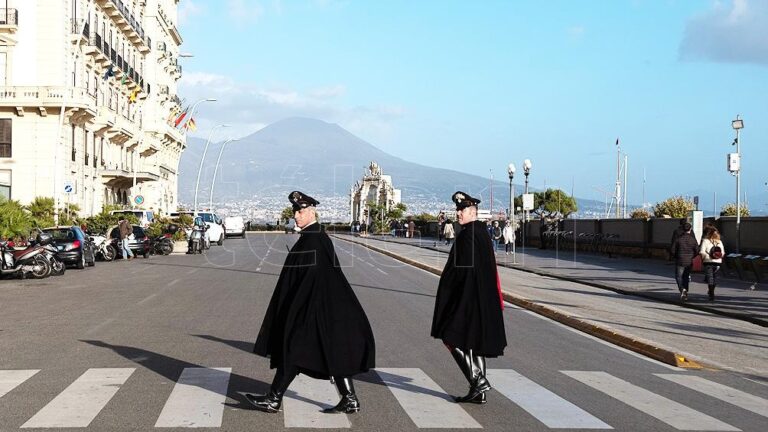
point(314, 320)
point(468, 308)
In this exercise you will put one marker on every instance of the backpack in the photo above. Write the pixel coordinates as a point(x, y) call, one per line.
point(716, 252)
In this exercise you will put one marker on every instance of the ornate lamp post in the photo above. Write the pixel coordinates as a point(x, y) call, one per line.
point(511, 215)
point(737, 125)
point(527, 171)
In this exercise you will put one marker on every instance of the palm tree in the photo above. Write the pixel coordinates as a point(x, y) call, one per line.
point(41, 211)
point(14, 220)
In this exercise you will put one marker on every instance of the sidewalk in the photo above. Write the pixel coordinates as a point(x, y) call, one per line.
point(647, 278)
point(632, 321)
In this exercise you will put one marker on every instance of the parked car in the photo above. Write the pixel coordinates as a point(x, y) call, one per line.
point(74, 246)
point(145, 217)
point(138, 242)
point(234, 226)
point(215, 232)
point(290, 226)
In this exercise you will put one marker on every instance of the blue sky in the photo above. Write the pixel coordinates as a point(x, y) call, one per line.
point(474, 85)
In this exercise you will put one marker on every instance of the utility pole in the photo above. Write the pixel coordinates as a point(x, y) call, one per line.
point(626, 170)
point(617, 195)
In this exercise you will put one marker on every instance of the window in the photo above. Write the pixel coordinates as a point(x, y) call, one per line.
point(87, 159)
point(74, 150)
point(5, 184)
point(6, 138)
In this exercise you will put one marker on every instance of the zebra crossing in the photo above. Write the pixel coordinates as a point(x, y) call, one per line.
point(199, 395)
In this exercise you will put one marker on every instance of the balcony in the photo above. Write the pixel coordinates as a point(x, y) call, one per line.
point(9, 20)
point(43, 98)
point(123, 179)
point(127, 22)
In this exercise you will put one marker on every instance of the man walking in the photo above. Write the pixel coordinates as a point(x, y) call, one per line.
point(125, 231)
point(468, 308)
point(314, 323)
point(684, 249)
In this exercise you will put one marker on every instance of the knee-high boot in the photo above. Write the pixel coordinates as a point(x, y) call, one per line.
point(348, 403)
point(272, 401)
point(473, 368)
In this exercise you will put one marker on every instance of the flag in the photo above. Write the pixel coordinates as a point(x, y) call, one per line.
point(617, 141)
point(132, 98)
point(172, 114)
point(178, 120)
point(191, 125)
point(109, 73)
point(124, 79)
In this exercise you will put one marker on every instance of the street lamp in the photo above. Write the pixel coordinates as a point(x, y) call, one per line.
point(511, 216)
point(202, 160)
point(527, 171)
point(737, 125)
point(216, 170)
point(193, 110)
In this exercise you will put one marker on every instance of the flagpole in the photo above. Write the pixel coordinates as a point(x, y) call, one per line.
point(618, 179)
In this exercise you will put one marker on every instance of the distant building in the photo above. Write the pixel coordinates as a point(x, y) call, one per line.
point(110, 67)
point(375, 188)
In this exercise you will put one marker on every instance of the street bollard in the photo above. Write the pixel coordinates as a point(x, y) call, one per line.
point(733, 262)
point(753, 261)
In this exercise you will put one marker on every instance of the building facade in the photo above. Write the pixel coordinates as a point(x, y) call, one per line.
point(87, 98)
point(375, 188)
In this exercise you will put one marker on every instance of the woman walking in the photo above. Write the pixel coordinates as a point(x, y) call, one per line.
point(508, 233)
point(448, 232)
point(712, 252)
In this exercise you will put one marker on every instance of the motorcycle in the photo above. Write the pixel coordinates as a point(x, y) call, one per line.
point(196, 242)
point(51, 253)
point(31, 260)
point(103, 247)
point(162, 244)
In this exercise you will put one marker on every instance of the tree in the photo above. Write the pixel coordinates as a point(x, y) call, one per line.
point(553, 203)
point(15, 221)
point(729, 209)
point(286, 214)
point(640, 213)
point(41, 211)
point(425, 217)
point(675, 207)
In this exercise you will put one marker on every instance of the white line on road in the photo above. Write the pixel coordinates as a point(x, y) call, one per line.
point(596, 339)
point(173, 282)
point(82, 401)
point(197, 399)
point(549, 408)
point(147, 299)
point(10, 379)
point(303, 401)
point(381, 271)
point(668, 411)
point(727, 394)
point(106, 322)
point(192, 271)
point(424, 401)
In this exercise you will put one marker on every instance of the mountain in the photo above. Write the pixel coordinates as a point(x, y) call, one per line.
point(323, 160)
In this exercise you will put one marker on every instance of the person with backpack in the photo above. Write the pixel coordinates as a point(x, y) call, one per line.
point(712, 251)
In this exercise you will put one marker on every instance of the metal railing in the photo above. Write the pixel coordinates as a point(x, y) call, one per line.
point(9, 17)
point(45, 95)
point(128, 16)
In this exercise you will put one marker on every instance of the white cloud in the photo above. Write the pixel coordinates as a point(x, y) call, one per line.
point(249, 107)
point(733, 31)
point(189, 9)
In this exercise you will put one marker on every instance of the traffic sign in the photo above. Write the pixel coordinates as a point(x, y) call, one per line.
point(528, 201)
point(68, 187)
point(139, 199)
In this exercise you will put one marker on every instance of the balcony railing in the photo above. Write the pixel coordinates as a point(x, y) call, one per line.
point(45, 96)
point(128, 16)
point(9, 17)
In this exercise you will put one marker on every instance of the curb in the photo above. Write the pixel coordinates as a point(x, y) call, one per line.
point(629, 342)
point(519, 267)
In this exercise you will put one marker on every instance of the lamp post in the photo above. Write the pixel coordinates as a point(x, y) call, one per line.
point(216, 170)
point(527, 171)
point(737, 125)
point(193, 110)
point(511, 216)
point(202, 160)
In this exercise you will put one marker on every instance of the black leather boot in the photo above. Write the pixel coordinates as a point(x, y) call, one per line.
point(711, 292)
point(474, 370)
point(348, 403)
point(272, 401)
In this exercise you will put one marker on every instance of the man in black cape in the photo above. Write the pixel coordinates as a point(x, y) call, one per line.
point(314, 323)
point(468, 309)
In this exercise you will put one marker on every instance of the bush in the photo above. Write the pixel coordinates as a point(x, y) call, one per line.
point(640, 213)
point(730, 210)
point(15, 222)
point(676, 207)
point(103, 221)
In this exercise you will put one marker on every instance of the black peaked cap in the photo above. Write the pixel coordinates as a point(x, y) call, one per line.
point(463, 200)
point(300, 200)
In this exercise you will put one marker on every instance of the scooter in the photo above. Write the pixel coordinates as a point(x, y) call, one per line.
point(31, 260)
point(196, 242)
point(51, 253)
point(162, 244)
point(103, 247)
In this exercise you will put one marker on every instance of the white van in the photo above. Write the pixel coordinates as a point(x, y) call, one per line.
point(215, 230)
point(234, 226)
point(145, 217)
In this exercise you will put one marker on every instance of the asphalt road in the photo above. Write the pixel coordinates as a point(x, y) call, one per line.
point(165, 342)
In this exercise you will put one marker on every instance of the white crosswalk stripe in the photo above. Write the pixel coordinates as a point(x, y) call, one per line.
point(668, 411)
point(82, 401)
point(424, 401)
point(197, 399)
point(546, 406)
point(10, 379)
point(727, 394)
point(304, 400)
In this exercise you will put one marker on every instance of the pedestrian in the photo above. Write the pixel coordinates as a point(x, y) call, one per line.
point(411, 228)
point(496, 235)
point(440, 225)
point(684, 250)
point(393, 228)
point(125, 229)
point(314, 323)
point(449, 232)
point(712, 252)
point(468, 308)
point(675, 235)
point(508, 234)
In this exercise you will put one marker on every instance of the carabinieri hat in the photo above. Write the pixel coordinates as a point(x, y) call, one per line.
point(300, 200)
point(463, 200)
